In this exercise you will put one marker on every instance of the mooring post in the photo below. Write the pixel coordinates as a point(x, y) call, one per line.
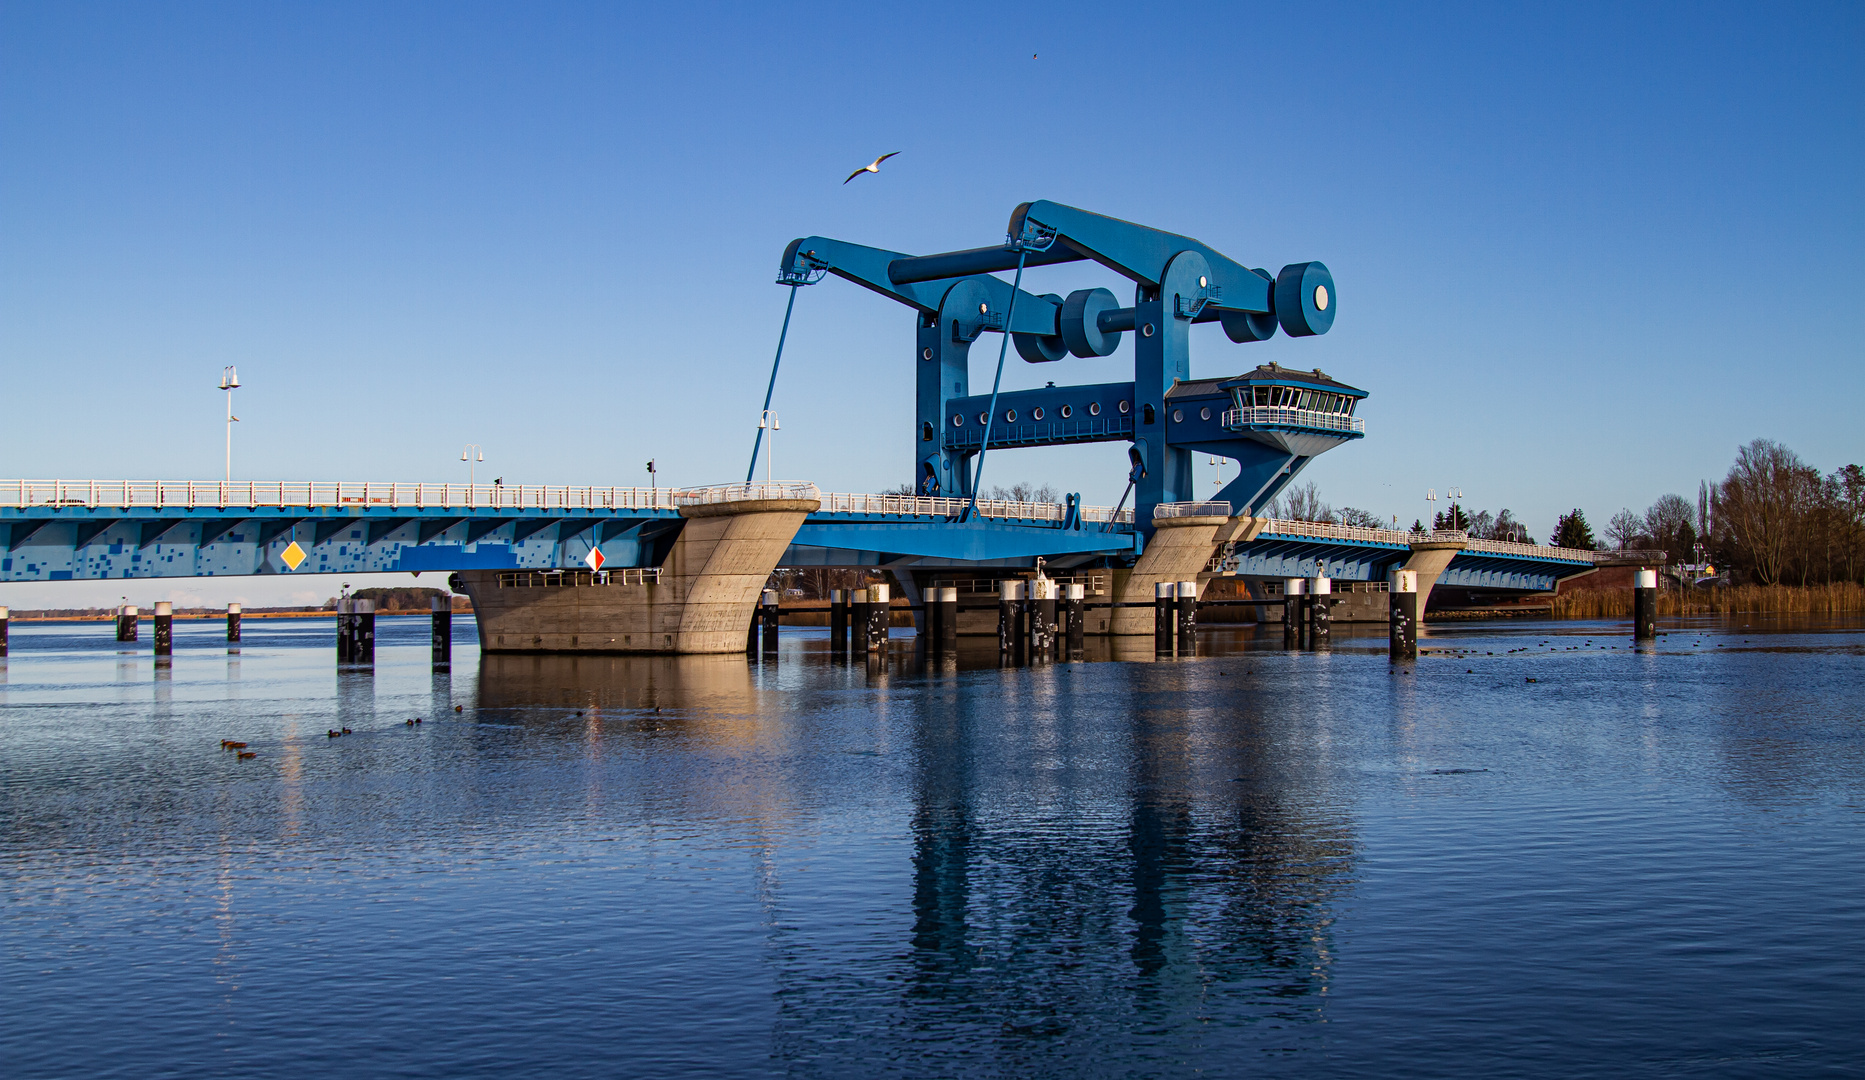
point(771, 616)
point(126, 622)
point(880, 617)
point(1645, 605)
point(838, 622)
point(233, 624)
point(164, 634)
point(346, 630)
point(1321, 613)
point(1075, 618)
point(1009, 595)
point(948, 620)
point(1292, 589)
point(443, 631)
point(4, 613)
point(1188, 618)
point(1165, 614)
point(1403, 612)
point(931, 615)
point(858, 621)
point(1042, 618)
point(363, 647)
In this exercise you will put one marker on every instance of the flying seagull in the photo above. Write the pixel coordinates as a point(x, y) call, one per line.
point(874, 168)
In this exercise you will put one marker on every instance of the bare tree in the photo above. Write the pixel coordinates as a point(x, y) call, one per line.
point(1625, 529)
point(1360, 519)
point(1302, 504)
point(1024, 491)
point(1668, 524)
point(1762, 503)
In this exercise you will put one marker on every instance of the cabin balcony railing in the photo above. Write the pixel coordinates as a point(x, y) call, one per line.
point(1277, 416)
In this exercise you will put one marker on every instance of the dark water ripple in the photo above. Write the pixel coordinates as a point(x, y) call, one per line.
point(1640, 864)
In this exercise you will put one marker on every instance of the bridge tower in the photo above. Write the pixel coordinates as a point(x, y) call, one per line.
point(1164, 413)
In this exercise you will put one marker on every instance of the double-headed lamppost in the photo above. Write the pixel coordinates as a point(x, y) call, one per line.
point(472, 455)
point(230, 381)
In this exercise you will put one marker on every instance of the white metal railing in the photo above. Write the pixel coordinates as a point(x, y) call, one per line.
point(841, 503)
point(1278, 416)
point(576, 579)
point(1535, 551)
point(191, 494)
point(1327, 530)
point(730, 493)
point(1191, 509)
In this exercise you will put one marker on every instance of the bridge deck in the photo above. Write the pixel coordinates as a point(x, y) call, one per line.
point(92, 529)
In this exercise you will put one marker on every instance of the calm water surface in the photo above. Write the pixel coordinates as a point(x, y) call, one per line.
point(1641, 863)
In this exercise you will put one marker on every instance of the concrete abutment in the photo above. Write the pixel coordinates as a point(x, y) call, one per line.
point(708, 588)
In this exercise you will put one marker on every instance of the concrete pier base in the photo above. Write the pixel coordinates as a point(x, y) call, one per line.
point(709, 586)
point(1180, 550)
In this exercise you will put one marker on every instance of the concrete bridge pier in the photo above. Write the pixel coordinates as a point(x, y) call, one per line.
point(707, 589)
point(1180, 550)
point(1428, 560)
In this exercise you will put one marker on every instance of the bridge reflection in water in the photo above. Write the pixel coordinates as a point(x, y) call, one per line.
point(1077, 847)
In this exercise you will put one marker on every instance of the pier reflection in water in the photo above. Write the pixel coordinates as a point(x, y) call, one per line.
point(1255, 861)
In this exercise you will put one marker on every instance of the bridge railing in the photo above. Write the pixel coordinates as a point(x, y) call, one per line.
point(859, 503)
point(1533, 551)
point(1274, 416)
point(192, 494)
point(730, 493)
point(1191, 509)
point(1327, 530)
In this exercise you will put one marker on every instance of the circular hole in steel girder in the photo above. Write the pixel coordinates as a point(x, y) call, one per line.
point(1147, 330)
point(1067, 412)
point(1178, 416)
point(1094, 408)
point(1036, 413)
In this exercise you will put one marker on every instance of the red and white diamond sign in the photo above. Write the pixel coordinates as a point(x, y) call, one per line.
point(594, 558)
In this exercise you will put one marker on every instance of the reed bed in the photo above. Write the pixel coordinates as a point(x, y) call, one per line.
point(1836, 599)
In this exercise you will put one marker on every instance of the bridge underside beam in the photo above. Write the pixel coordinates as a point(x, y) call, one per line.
point(973, 541)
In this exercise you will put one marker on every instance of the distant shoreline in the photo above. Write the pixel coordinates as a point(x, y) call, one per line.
point(190, 616)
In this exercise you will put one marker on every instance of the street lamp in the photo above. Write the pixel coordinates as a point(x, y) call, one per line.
point(230, 381)
point(472, 455)
point(769, 422)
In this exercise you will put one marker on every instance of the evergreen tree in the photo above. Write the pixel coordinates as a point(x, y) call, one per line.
point(1572, 531)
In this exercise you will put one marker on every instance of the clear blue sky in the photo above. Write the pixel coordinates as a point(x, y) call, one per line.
point(1582, 253)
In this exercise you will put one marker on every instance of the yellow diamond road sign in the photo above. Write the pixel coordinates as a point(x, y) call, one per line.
point(293, 555)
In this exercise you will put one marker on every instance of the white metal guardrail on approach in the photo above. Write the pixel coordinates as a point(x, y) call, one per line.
point(252, 494)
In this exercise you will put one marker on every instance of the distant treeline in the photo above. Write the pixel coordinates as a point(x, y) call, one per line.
point(1773, 520)
point(395, 599)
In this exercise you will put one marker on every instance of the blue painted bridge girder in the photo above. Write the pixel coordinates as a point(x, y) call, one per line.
point(62, 542)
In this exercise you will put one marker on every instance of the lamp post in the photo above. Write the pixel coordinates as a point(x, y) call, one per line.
point(472, 455)
point(230, 381)
point(769, 422)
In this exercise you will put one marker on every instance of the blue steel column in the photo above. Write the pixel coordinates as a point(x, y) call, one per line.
point(943, 373)
point(1160, 356)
